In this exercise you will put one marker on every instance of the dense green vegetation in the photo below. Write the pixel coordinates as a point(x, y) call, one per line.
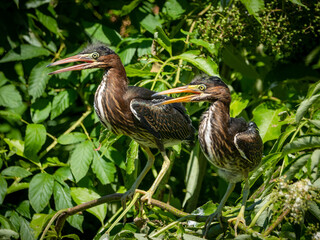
point(266, 51)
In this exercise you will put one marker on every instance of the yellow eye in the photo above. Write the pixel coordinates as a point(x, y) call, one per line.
point(95, 55)
point(202, 87)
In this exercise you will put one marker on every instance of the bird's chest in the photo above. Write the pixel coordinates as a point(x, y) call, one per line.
point(215, 141)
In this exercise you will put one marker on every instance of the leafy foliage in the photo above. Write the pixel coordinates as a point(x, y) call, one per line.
point(56, 155)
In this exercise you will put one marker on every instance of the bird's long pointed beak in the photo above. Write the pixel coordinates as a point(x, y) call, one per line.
point(89, 62)
point(183, 89)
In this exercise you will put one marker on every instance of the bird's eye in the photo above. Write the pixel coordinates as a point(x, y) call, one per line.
point(202, 87)
point(95, 55)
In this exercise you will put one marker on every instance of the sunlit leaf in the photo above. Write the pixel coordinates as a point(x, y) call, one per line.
point(163, 40)
point(305, 105)
point(212, 48)
point(10, 96)
point(132, 155)
point(62, 101)
point(126, 9)
point(38, 79)
point(82, 195)
point(35, 138)
point(16, 171)
point(174, 8)
point(40, 110)
point(253, 7)
point(267, 119)
point(24, 52)
point(150, 22)
point(40, 191)
point(104, 170)
point(49, 22)
point(16, 146)
point(302, 143)
point(81, 159)
point(3, 188)
point(205, 64)
point(8, 234)
point(296, 166)
point(72, 138)
point(126, 54)
point(102, 33)
point(39, 221)
point(237, 105)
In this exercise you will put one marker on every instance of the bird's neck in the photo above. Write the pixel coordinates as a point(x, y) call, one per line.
point(115, 80)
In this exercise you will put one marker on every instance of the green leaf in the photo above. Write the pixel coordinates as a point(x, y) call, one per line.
point(237, 105)
point(232, 58)
point(8, 234)
point(253, 7)
point(16, 146)
point(132, 156)
point(126, 9)
point(267, 119)
point(296, 166)
point(62, 197)
point(40, 191)
point(62, 101)
point(298, 2)
point(24, 209)
point(24, 52)
point(39, 222)
point(315, 122)
point(127, 53)
point(305, 105)
point(40, 110)
point(82, 195)
point(81, 159)
point(3, 188)
point(163, 40)
point(72, 138)
point(102, 33)
point(205, 64)
point(49, 22)
point(38, 79)
point(63, 173)
point(10, 115)
point(134, 71)
point(104, 170)
point(10, 96)
point(150, 22)
point(302, 143)
point(35, 138)
point(16, 171)
point(212, 48)
point(174, 8)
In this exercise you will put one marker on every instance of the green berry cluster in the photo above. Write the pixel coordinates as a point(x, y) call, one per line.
point(282, 28)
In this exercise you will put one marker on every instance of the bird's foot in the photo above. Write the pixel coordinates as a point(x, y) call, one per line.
point(217, 214)
point(126, 195)
point(147, 197)
point(238, 219)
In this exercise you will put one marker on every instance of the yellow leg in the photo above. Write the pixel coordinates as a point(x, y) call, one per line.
point(240, 217)
point(153, 188)
point(218, 213)
point(136, 184)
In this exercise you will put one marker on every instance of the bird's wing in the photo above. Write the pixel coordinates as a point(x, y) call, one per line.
point(249, 145)
point(163, 121)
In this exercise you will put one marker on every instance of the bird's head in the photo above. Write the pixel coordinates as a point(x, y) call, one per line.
point(204, 88)
point(94, 56)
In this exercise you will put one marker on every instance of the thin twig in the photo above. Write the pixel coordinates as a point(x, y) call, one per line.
point(277, 222)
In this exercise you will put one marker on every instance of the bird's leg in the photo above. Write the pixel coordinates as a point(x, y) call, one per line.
point(153, 188)
point(240, 217)
point(136, 184)
point(218, 213)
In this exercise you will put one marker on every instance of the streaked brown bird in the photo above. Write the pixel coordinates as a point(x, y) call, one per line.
point(133, 111)
point(231, 144)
